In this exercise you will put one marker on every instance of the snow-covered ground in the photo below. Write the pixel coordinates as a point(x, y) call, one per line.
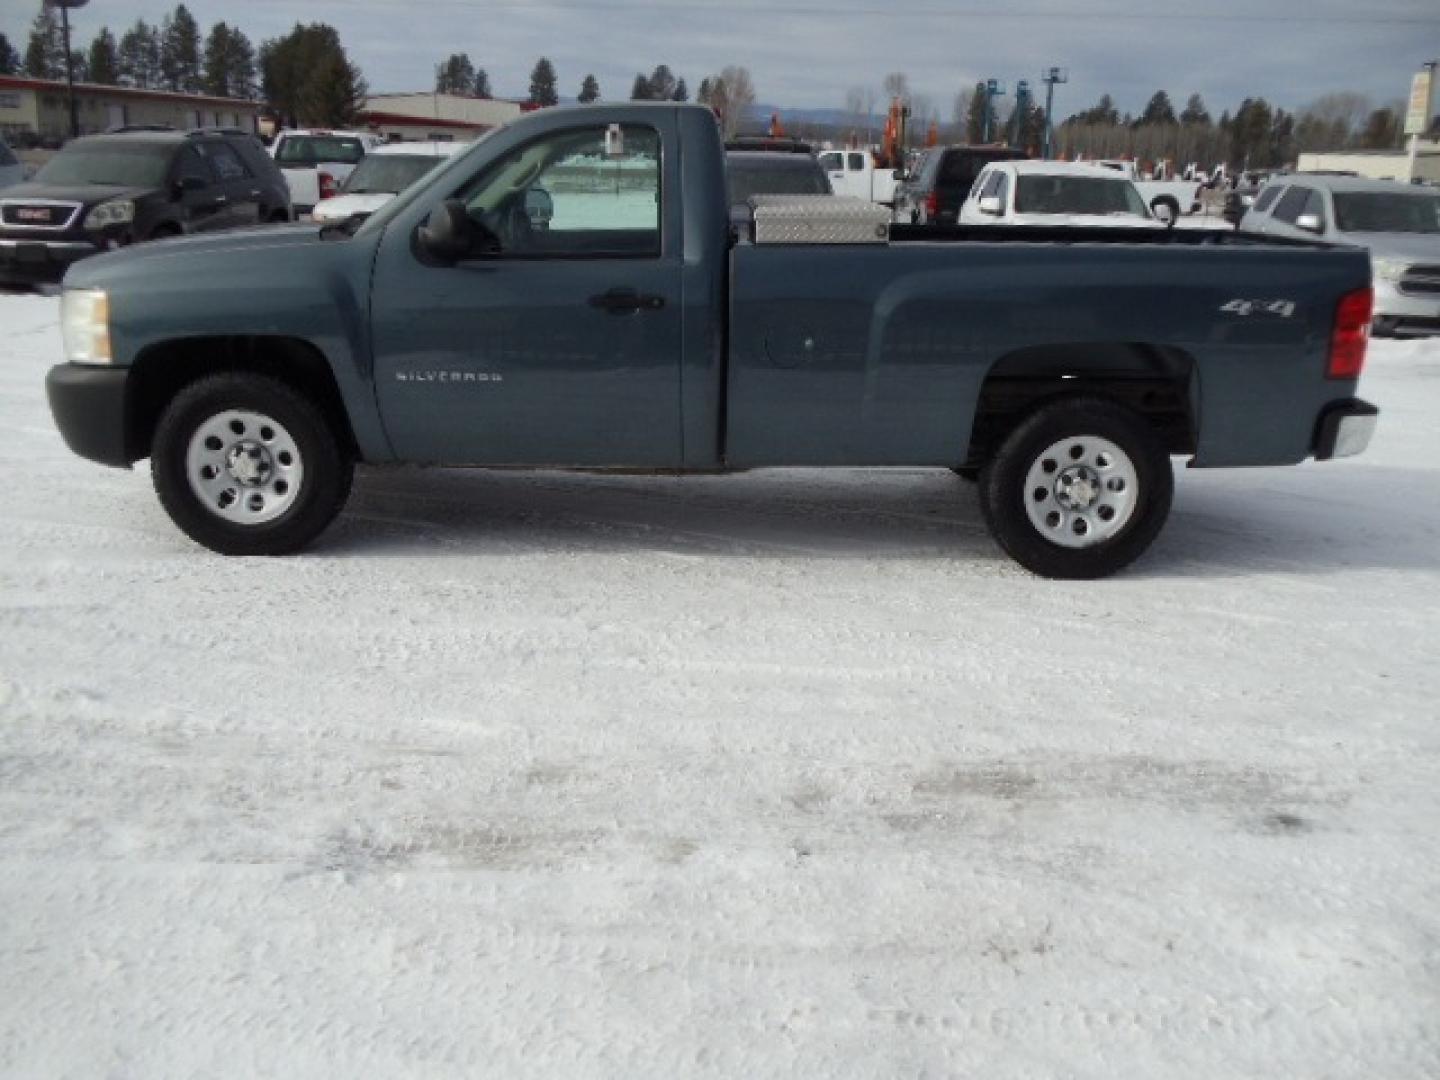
point(786, 774)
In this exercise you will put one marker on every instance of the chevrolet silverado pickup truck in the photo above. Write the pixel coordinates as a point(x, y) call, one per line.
point(639, 323)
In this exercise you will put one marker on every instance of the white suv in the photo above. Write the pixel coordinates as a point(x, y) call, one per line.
point(316, 163)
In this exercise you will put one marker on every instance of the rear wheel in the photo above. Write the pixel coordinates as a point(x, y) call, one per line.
point(246, 465)
point(1078, 490)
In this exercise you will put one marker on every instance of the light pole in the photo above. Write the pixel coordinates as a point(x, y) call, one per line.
point(65, 6)
point(1050, 78)
point(993, 88)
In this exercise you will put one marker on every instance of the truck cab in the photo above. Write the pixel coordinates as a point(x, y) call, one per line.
point(854, 173)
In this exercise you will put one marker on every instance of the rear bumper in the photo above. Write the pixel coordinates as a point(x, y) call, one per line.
point(1345, 429)
point(88, 404)
point(28, 262)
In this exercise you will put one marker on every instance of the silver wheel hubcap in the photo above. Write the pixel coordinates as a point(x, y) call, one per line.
point(244, 467)
point(1081, 492)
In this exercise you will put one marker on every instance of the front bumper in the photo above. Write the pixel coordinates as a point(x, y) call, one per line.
point(1345, 429)
point(28, 262)
point(88, 403)
point(1404, 313)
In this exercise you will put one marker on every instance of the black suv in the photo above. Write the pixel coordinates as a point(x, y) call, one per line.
point(107, 191)
point(940, 183)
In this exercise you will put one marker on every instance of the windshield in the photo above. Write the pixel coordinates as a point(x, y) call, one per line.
point(1383, 212)
point(747, 176)
point(1077, 195)
point(116, 164)
point(388, 174)
point(319, 150)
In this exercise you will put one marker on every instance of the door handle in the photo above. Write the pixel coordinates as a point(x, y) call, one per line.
point(626, 301)
point(221, 199)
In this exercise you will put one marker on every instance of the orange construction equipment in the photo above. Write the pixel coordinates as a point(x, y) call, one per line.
point(892, 146)
point(777, 129)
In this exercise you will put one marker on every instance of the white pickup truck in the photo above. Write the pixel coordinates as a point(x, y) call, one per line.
point(853, 173)
point(1164, 197)
point(315, 163)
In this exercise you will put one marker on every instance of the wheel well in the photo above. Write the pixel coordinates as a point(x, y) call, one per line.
point(1152, 380)
point(1165, 200)
point(162, 371)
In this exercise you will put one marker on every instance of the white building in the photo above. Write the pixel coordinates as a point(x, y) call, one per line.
point(39, 108)
point(1378, 164)
point(441, 117)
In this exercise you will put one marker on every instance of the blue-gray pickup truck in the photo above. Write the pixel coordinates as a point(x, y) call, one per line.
point(575, 291)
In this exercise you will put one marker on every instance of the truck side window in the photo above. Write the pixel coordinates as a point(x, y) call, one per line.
point(1002, 190)
point(830, 162)
point(189, 166)
point(1315, 204)
point(1267, 198)
point(856, 162)
point(561, 196)
point(224, 161)
point(1290, 205)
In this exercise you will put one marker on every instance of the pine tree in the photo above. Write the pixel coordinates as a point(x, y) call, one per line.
point(640, 91)
point(1381, 131)
point(1195, 112)
point(9, 58)
point(662, 84)
point(45, 53)
point(456, 75)
point(589, 90)
point(140, 56)
point(703, 94)
point(180, 51)
point(334, 95)
point(309, 78)
point(482, 84)
point(542, 84)
point(682, 92)
point(1158, 110)
point(229, 63)
point(103, 63)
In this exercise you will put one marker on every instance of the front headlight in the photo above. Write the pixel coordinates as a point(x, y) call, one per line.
point(1388, 269)
point(115, 212)
point(85, 326)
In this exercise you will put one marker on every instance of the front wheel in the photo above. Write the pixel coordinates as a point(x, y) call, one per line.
point(1078, 490)
point(246, 465)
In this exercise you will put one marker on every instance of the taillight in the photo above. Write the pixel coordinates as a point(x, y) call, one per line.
point(327, 186)
point(932, 204)
point(1351, 334)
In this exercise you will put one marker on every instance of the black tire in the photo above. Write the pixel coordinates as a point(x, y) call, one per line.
point(328, 469)
point(1171, 205)
point(1004, 489)
point(165, 231)
point(279, 217)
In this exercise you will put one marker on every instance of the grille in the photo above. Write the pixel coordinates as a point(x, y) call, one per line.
point(1421, 281)
point(38, 215)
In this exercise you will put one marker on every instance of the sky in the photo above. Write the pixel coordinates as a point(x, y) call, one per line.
point(808, 53)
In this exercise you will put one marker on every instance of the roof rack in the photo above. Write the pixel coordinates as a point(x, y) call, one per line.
point(126, 129)
point(200, 132)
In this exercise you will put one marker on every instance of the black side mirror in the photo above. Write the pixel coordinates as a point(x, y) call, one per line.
point(450, 234)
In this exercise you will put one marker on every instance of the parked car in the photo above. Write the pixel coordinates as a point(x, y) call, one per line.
point(941, 181)
point(1398, 223)
point(1240, 198)
point(853, 173)
point(315, 163)
point(381, 175)
point(645, 329)
point(109, 191)
point(1166, 198)
point(12, 169)
point(1055, 193)
point(749, 172)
